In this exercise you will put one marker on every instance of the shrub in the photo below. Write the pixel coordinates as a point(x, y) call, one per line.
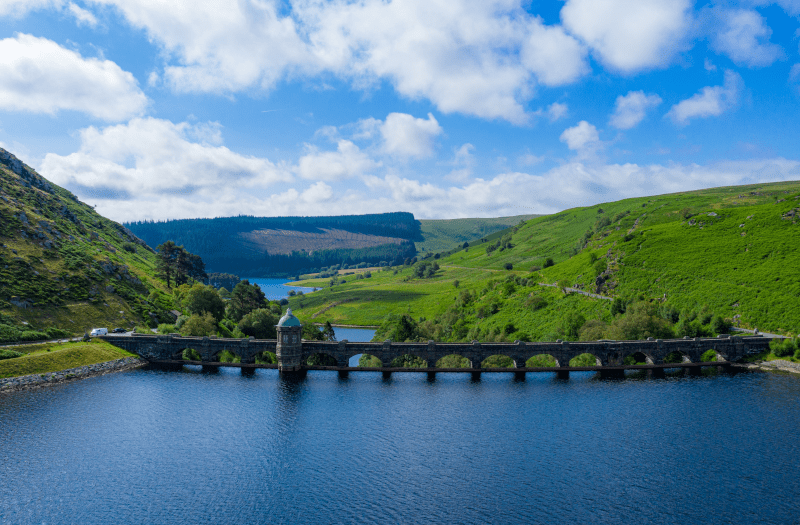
point(782, 347)
point(190, 354)
point(583, 360)
point(129, 247)
point(408, 361)
point(266, 358)
point(321, 360)
point(369, 361)
point(709, 356)
point(199, 325)
point(260, 324)
point(227, 356)
point(57, 333)
point(10, 354)
point(508, 266)
point(592, 330)
point(548, 262)
point(453, 361)
point(498, 361)
point(542, 360)
point(164, 328)
point(618, 306)
point(720, 325)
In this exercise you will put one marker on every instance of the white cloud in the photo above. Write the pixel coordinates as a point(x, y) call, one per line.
point(39, 76)
point(152, 160)
point(557, 110)
point(18, 8)
point(743, 35)
point(82, 16)
point(478, 57)
point(711, 101)
point(346, 162)
point(407, 136)
point(554, 56)
point(581, 138)
point(631, 109)
point(794, 73)
point(630, 35)
point(708, 65)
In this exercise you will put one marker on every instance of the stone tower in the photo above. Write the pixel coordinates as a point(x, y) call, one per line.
point(290, 344)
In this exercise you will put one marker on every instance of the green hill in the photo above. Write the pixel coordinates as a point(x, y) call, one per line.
point(64, 266)
point(446, 234)
point(731, 252)
point(262, 246)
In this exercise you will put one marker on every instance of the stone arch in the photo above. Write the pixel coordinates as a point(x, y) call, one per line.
point(637, 358)
point(265, 357)
point(187, 354)
point(367, 360)
point(453, 361)
point(408, 361)
point(498, 361)
point(585, 359)
point(226, 355)
point(320, 359)
point(676, 357)
point(542, 361)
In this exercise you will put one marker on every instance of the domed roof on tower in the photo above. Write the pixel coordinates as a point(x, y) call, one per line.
point(289, 319)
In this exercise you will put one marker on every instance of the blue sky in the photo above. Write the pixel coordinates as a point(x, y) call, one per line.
point(444, 108)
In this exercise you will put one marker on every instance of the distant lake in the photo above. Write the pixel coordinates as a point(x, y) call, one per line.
point(275, 289)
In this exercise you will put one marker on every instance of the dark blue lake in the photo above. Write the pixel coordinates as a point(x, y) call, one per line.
point(158, 447)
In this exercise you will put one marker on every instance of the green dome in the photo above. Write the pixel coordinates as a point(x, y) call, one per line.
point(289, 319)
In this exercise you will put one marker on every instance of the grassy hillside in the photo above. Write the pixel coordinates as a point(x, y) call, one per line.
point(44, 358)
point(63, 265)
point(733, 252)
point(444, 235)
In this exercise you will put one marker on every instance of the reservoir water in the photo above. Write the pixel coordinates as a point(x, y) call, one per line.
point(276, 289)
point(180, 447)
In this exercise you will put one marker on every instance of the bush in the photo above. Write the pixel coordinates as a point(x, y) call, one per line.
point(541, 360)
point(369, 361)
point(783, 347)
point(709, 356)
point(498, 361)
point(260, 324)
point(548, 262)
point(10, 354)
point(199, 325)
point(508, 266)
point(57, 333)
point(266, 358)
point(583, 360)
point(408, 361)
point(190, 354)
point(453, 361)
point(165, 328)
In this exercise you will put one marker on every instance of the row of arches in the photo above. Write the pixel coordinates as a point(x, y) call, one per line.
point(448, 361)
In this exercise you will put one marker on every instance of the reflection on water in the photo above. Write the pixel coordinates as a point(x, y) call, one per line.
point(189, 446)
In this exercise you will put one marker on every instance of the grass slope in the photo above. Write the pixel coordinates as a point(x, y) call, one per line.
point(444, 235)
point(62, 264)
point(40, 359)
point(735, 250)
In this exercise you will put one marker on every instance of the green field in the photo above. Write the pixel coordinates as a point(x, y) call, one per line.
point(446, 234)
point(44, 358)
point(733, 252)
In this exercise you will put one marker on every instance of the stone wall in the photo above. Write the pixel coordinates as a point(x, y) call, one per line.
point(607, 353)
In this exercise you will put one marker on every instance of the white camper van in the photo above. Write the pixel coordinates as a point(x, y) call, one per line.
point(99, 331)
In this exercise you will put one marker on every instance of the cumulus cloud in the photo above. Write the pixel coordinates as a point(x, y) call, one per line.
point(82, 16)
point(743, 35)
point(18, 8)
point(39, 76)
point(711, 101)
point(151, 159)
point(631, 109)
point(478, 57)
point(554, 56)
point(630, 35)
point(346, 162)
point(406, 136)
point(582, 138)
point(557, 110)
